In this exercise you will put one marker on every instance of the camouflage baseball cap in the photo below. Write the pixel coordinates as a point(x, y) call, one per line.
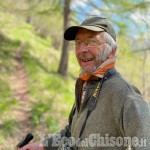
point(93, 23)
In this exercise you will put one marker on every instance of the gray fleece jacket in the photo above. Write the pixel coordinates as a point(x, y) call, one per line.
point(121, 119)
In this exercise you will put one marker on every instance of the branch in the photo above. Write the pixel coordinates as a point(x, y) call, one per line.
point(142, 50)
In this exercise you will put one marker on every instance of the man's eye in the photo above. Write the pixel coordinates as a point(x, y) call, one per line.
point(92, 41)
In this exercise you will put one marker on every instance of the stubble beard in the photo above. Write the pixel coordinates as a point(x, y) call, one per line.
point(98, 61)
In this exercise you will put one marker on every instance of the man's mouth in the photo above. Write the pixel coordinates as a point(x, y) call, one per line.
point(87, 60)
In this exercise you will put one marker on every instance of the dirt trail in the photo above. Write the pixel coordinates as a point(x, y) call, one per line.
point(20, 91)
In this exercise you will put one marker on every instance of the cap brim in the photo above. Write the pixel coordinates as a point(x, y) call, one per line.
point(71, 32)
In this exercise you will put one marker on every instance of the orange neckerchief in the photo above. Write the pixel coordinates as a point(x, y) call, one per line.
point(99, 72)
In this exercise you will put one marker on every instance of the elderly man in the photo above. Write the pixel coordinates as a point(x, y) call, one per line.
point(108, 113)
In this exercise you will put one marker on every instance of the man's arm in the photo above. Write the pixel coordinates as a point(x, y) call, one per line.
point(136, 122)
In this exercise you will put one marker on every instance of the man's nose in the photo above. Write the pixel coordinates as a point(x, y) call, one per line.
point(83, 48)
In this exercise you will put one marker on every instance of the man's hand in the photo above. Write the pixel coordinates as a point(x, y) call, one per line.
point(32, 146)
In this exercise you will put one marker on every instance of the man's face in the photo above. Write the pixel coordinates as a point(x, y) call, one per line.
point(89, 55)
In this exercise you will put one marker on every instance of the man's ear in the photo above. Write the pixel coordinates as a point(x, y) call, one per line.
point(112, 54)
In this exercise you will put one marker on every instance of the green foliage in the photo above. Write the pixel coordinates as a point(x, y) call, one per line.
point(6, 106)
point(7, 53)
point(130, 63)
point(127, 5)
point(39, 108)
point(48, 28)
point(8, 130)
point(45, 85)
point(9, 127)
point(4, 89)
point(50, 103)
point(42, 113)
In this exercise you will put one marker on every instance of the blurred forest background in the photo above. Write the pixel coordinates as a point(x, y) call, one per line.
point(38, 68)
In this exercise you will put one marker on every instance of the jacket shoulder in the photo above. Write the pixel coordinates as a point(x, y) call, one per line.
point(117, 84)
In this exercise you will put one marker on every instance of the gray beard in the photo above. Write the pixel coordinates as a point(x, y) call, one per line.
point(102, 56)
point(99, 60)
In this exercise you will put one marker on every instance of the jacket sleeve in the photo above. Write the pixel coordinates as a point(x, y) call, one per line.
point(55, 141)
point(136, 122)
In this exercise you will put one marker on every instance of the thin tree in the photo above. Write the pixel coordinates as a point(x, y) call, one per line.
point(63, 65)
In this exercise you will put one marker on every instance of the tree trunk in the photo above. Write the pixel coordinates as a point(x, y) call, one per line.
point(63, 66)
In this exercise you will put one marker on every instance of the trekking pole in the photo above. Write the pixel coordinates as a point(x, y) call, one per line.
point(25, 141)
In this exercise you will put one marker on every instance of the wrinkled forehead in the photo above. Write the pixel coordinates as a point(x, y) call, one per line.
point(85, 33)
